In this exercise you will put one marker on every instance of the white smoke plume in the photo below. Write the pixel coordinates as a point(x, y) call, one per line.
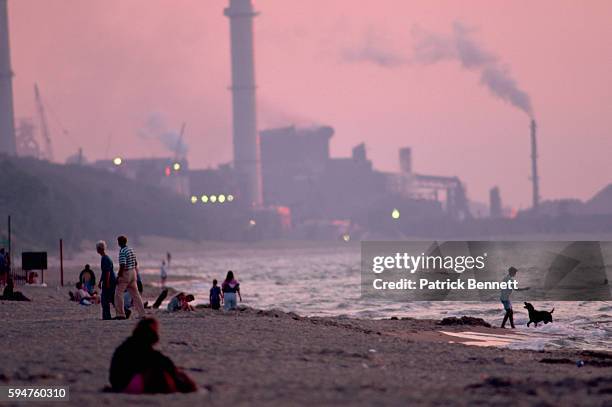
point(374, 48)
point(430, 48)
point(155, 128)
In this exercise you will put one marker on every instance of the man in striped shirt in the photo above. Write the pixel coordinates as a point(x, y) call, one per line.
point(126, 280)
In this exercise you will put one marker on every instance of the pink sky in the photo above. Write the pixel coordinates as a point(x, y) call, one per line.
point(104, 66)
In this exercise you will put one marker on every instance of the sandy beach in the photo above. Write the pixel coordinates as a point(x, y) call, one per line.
point(255, 357)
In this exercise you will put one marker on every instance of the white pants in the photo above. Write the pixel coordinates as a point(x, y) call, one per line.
point(128, 281)
point(229, 301)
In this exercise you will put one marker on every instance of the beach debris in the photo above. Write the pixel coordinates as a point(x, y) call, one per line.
point(580, 363)
point(464, 320)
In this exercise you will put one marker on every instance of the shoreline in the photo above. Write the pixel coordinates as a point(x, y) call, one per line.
point(269, 357)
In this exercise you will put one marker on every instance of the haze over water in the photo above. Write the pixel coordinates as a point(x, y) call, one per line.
point(325, 281)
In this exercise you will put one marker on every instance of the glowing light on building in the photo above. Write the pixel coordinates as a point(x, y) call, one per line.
point(395, 214)
point(176, 166)
point(252, 223)
point(213, 198)
point(221, 198)
point(346, 237)
point(167, 171)
point(194, 199)
point(204, 198)
point(117, 161)
point(230, 198)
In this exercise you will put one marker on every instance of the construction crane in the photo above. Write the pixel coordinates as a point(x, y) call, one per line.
point(44, 128)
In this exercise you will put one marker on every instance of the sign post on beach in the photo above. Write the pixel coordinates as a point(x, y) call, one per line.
point(62, 262)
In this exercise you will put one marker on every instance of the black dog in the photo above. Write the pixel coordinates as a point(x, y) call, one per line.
point(538, 316)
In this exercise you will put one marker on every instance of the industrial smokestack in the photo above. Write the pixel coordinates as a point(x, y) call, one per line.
point(534, 167)
point(7, 124)
point(246, 139)
point(495, 203)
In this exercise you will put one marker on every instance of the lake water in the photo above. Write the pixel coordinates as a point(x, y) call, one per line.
point(325, 281)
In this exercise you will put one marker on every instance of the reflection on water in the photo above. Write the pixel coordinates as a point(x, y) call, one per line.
point(325, 281)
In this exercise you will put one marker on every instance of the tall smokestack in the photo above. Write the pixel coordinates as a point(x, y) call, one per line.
point(246, 140)
point(534, 167)
point(7, 124)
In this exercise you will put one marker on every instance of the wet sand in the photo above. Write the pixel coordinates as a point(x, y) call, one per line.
point(254, 357)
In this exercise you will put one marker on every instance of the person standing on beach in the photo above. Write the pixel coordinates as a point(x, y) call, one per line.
point(3, 268)
point(215, 296)
point(126, 279)
point(163, 274)
point(108, 280)
point(230, 288)
point(505, 296)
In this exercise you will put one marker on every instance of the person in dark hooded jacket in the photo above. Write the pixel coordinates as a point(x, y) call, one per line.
point(137, 368)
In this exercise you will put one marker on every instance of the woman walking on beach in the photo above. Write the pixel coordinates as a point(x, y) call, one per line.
point(230, 288)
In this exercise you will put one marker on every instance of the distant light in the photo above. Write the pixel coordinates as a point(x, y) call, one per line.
point(346, 237)
point(213, 198)
point(117, 161)
point(230, 198)
point(194, 199)
point(252, 222)
point(221, 198)
point(167, 171)
point(204, 198)
point(176, 166)
point(395, 214)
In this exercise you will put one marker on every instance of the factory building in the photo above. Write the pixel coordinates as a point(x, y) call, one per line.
point(299, 173)
point(168, 173)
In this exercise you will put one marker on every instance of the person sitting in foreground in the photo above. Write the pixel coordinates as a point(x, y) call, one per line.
point(9, 293)
point(230, 288)
point(137, 368)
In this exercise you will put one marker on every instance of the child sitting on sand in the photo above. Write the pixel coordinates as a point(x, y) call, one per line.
point(216, 296)
point(180, 302)
point(82, 296)
point(137, 368)
point(185, 306)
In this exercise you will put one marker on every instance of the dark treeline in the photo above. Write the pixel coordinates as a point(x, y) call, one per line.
point(50, 201)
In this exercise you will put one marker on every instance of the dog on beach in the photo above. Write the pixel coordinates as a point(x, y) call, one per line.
point(536, 316)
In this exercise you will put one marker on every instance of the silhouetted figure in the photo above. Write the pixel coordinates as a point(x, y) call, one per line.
point(4, 266)
point(163, 274)
point(108, 280)
point(505, 297)
point(127, 280)
point(137, 368)
point(9, 293)
point(88, 279)
point(216, 296)
point(230, 288)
